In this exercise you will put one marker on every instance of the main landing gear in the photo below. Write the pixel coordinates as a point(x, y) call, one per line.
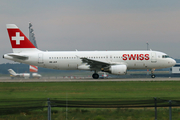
point(152, 73)
point(95, 76)
point(153, 76)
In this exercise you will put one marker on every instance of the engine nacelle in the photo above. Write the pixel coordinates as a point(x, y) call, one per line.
point(118, 69)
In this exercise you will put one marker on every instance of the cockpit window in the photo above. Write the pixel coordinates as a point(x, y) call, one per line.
point(165, 56)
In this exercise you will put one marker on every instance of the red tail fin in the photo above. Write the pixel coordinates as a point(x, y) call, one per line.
point(33, 68)
point(17, 38)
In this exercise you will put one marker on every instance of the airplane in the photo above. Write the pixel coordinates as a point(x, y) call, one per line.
point(32, 35)
point(23, 75)
point(113, 62)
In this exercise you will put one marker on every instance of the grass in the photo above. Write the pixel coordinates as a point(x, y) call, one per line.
point(96, 114)
point(84, 90)
point(124, 90)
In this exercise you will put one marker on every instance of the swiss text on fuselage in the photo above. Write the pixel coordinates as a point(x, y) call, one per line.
point(135, 56)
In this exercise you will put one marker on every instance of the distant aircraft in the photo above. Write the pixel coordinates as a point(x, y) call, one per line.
point(23, 75)
point(113, 62)
point(32, 35)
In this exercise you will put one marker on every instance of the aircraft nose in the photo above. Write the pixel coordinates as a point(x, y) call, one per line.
point(173, 62)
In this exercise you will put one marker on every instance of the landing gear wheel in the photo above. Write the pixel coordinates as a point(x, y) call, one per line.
point(153, 76)
point(152, 73)
point(95, 76)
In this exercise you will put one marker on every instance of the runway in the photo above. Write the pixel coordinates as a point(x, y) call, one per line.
point(87, 80)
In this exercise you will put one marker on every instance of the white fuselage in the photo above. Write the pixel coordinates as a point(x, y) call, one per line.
point(70, 60)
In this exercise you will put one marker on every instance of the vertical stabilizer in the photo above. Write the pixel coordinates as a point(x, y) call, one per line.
point(33, 68)
point(19, 41)
point(12, 72)
point(32, 35)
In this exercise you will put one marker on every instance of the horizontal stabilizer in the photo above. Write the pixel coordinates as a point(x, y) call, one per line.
point(17, 56)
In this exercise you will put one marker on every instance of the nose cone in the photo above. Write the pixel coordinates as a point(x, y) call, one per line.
point(173, 62)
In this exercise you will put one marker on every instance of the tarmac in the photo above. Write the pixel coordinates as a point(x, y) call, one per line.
point(8, 79)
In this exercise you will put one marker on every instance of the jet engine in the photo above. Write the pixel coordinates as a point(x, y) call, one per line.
point(118, 69)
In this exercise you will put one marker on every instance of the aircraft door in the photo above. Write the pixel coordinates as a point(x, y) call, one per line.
point(40, 58)
point(153, 57)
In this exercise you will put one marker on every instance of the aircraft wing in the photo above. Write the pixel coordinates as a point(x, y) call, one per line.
point(95, 64)
point(99, 64)
point(18, 56)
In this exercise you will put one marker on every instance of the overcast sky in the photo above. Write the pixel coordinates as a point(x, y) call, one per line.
point(66, 25)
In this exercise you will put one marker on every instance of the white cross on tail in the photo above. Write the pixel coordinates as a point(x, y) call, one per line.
point(17, 38)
